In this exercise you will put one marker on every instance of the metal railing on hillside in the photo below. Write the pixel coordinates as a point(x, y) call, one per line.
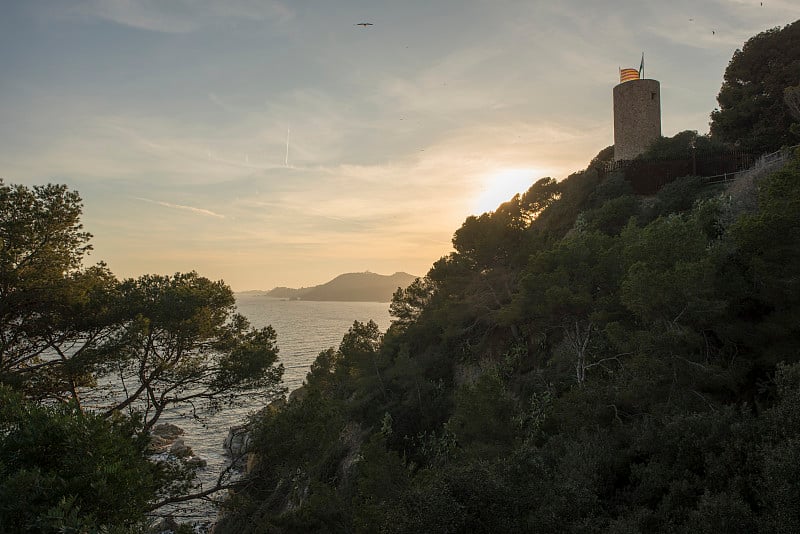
point(764, 163)
point(648, 176)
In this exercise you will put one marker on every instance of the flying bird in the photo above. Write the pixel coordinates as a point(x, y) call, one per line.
point(364, 24)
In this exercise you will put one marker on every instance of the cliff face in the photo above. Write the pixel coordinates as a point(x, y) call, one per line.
point(352, 287)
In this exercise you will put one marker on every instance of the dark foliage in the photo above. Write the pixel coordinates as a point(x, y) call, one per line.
point(752, 112)
point(636, 371)
point(89, 363)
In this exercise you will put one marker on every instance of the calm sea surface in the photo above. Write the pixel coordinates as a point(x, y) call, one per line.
point(304, 329)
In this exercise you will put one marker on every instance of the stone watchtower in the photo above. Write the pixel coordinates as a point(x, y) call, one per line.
point(637, 114)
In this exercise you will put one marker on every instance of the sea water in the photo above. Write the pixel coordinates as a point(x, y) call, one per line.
point(304, 329)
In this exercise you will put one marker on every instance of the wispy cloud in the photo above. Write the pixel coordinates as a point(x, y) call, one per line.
point(199, 211)
point(170, 116)
point(180, 16)
point(442, 87)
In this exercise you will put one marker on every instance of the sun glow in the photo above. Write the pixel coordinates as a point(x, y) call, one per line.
point(500, 186)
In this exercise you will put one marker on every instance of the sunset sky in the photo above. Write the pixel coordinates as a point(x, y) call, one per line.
point(277, 143)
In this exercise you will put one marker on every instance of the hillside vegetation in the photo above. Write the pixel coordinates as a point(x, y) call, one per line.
point(634, 370)
point(586, 360)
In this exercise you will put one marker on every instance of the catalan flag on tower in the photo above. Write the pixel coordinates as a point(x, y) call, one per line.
point(626, 75)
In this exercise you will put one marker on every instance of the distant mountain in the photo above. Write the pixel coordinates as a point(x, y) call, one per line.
point(350, 287)
point(287, 292)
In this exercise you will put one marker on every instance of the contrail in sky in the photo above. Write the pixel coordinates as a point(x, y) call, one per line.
point(199, 211)
point(286, 161)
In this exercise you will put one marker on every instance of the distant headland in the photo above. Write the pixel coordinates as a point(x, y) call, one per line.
point(349, 287)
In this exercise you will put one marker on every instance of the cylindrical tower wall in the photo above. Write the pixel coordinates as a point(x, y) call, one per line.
point(637, 117)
